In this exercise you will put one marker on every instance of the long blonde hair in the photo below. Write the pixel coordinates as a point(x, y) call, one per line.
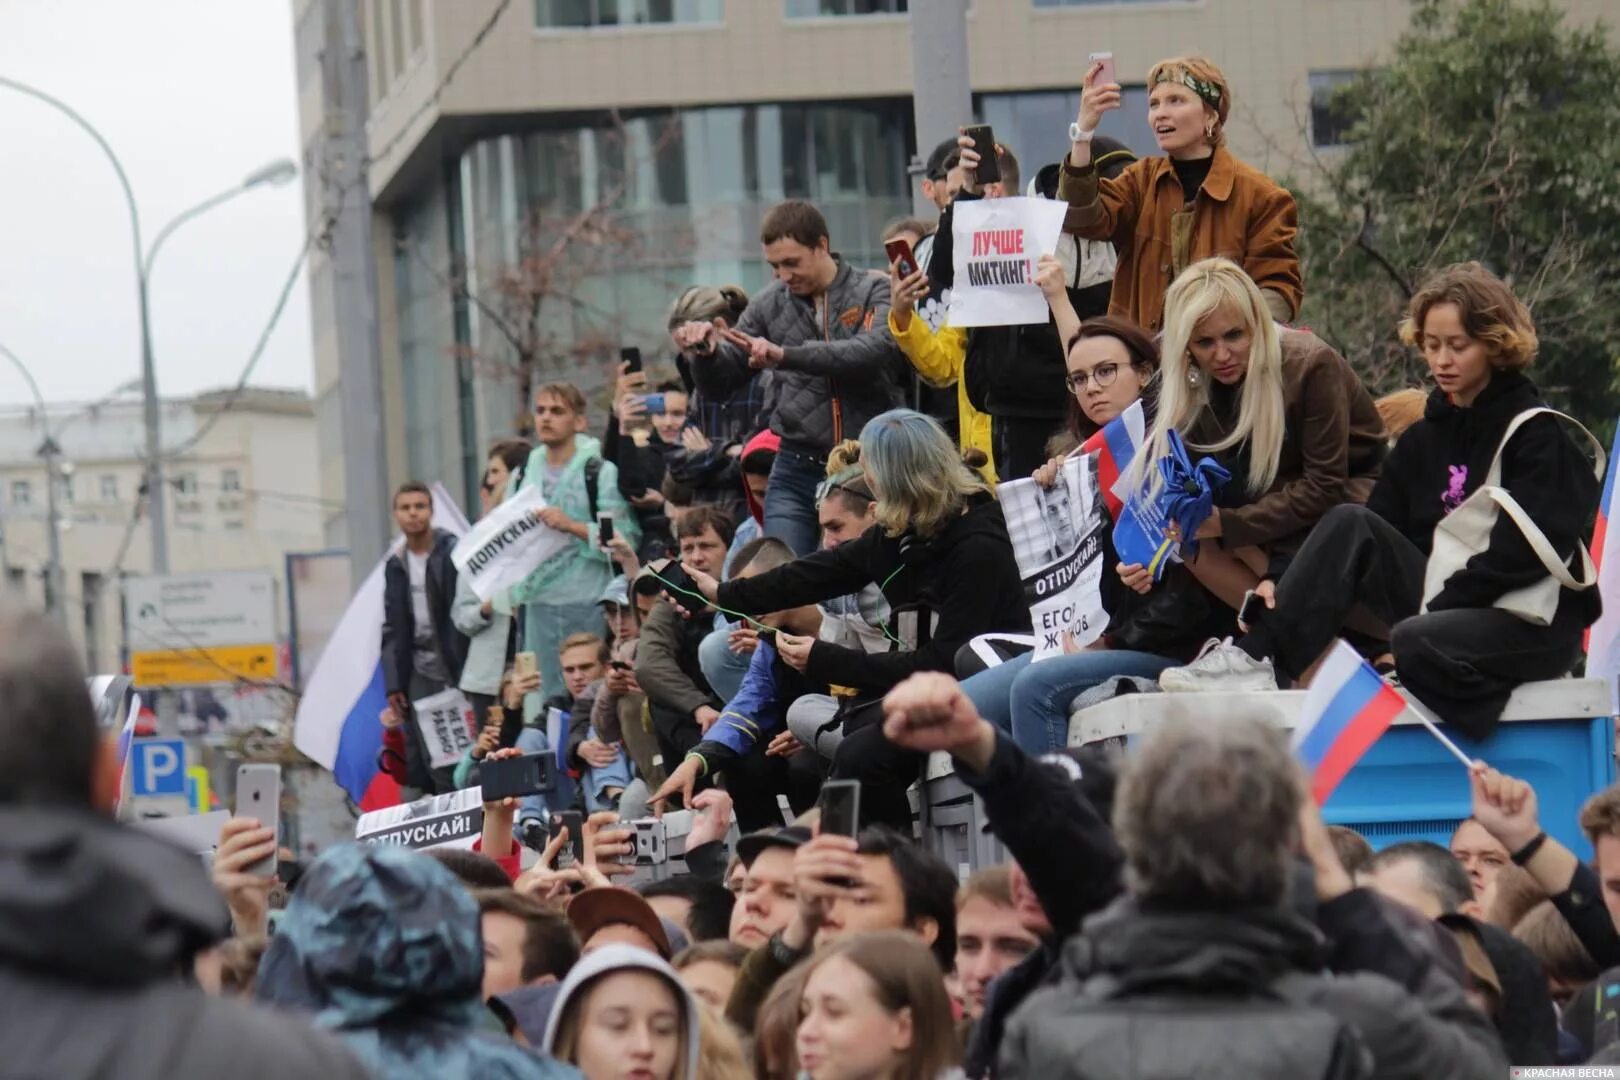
point(1202, 289)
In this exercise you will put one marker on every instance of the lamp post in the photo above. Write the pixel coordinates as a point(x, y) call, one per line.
point(51, 452)
point(277, 172)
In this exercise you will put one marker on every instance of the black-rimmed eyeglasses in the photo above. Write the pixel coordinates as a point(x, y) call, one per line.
point(1103, 374)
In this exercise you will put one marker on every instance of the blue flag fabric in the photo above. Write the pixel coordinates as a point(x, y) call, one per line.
point(1156, 527)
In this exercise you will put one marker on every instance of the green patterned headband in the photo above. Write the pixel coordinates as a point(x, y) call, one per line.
point(1206, 90)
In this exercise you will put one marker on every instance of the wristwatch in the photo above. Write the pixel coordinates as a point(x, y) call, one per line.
point(1079, 134)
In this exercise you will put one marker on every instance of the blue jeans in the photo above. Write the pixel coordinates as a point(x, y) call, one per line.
point(790, 501)
point(1032, 700)
point(723, 668)
point(533, 740)
point(597, 779)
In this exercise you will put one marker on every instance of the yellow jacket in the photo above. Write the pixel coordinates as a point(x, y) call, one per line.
point(939, 357)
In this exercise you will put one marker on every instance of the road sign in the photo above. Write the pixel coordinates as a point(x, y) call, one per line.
point(197, 793)
point(158, 767)
point(199, 611)
point(200, 667)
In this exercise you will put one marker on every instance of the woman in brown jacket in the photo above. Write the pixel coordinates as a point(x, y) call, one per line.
point(1198, 201)
point(1285, 414)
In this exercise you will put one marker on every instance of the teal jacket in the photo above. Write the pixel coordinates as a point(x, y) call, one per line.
point(581, 571)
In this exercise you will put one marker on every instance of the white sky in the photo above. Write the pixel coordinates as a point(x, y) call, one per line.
point(192, 95)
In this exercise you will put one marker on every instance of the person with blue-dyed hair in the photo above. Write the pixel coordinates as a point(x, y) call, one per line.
point(939, 553)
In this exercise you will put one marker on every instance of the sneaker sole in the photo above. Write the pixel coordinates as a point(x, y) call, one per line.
point(1176, 683)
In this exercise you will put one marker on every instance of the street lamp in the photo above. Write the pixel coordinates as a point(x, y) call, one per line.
point(277, 172)
point(51, 452)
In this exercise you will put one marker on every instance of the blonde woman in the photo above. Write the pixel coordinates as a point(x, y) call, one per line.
point(938, 553)
point(1165, 213)
point(1459, 654)
point(1279, 408)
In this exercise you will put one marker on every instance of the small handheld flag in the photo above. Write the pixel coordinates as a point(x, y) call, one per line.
point(1115, 446)
point(1347, 708)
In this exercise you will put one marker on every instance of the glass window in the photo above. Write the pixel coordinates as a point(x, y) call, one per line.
point(1331, 120)
point(64, 489)
point(230, 480)
point(586, 13)
point(812, 9)
point(109, 487)
point(186, 483)
point(90, 590)
point(1034, 125)
point(22, 493)
point(396, 30)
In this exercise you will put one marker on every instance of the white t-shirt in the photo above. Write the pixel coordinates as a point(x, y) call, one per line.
point(426, 647)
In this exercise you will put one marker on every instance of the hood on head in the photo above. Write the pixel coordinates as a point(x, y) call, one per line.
point(611, 958)
point(374, 931)
point(765, 440)
point(92, 901)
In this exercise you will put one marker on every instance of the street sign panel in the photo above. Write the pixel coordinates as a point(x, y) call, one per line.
point(200, 611)
point(158, 767)
point(201, 667)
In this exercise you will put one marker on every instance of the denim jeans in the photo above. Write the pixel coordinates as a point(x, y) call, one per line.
point(595, 781)
point(1032, 700)
point(533, 740)
point(723, 668)
point(790, 501)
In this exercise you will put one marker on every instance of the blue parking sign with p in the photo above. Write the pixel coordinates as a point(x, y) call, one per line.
point(159, 767)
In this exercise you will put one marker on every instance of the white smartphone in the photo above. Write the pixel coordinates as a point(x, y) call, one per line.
point(258, 796)
point(1106, 75)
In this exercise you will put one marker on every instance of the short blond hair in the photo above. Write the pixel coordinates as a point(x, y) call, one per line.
point(1201, 68)
point(1600, 816)
point(1489, 312)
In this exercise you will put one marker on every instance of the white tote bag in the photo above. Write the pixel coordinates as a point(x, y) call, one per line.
point(1466, 531)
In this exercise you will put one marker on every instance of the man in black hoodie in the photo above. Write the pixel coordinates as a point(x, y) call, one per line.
point(100, 923)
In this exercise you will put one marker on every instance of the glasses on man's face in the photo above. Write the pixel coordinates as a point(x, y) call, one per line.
point(1103, 374)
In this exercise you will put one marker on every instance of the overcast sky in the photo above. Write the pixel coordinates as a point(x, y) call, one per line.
point(192, 95)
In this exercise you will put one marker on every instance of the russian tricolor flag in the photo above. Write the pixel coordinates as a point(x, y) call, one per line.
point(1603, 639)
point(1347, 708)
point(337, 725)
point(1115, 446)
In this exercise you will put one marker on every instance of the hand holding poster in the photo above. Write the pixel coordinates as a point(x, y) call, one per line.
point(996, 244)
point(507, 544)
point(1057, 538)
point(448, 726)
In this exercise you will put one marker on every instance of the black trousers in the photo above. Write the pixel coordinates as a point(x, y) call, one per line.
point(1463, 664)
point(884, 770)
point(1019, 444)
point(755, 780)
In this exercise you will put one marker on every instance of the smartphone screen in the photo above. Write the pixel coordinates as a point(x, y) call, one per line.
point(573, 853)
point(1106, 74)
point(840, 803)
point(604, 529)
point(258, 796)
point(984, 144)
point(899, 251)
point(630, 357)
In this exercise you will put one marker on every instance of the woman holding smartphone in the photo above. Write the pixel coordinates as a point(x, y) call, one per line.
point(1165, 213)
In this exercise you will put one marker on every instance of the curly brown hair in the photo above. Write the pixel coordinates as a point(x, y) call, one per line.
point(1489, 311)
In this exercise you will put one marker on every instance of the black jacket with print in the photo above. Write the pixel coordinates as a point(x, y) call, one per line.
point(1444, 457)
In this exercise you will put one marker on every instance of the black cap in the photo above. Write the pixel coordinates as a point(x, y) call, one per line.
point(937, 167)
point(1093, 772)
point(790, 836)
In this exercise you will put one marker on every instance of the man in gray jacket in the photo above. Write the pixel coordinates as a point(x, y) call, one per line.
point(821, 330)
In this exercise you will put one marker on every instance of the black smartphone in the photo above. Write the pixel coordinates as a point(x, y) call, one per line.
point(604, 529)
point(679, 582)
point(984, 144)
point(619, 665)
point(630, 357)
point(514, 777)
point(768, 635)
point(1253, 609)
point(574, 853)
point(840, 803)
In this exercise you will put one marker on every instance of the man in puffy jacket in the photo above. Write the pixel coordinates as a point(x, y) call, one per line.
point(821, 327)
point(100, 923)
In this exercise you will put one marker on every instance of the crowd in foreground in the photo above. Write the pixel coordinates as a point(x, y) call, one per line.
point(797, 573)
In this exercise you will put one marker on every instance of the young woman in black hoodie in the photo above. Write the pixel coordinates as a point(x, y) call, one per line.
point(941, 556)
point(1461, 656)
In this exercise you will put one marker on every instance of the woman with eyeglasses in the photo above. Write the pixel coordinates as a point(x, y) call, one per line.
point(1111, 364)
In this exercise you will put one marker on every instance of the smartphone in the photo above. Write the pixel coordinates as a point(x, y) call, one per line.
point(604, 529)
point(840, 803)
point(767, 635)
point(573, 853)
point(525, 663)
point(630, 358)
point(651, 844)
point(514, 777)
point(679, 582)
point(1253, 609)
point(1106, 75)
point(899, 251)
point(258, 796)
point(619, 665)
point(984, 144)
point(654, 403)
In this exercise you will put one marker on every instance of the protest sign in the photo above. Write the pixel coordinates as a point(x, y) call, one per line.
point(506, 545)
point(1057, 538)
point(454, 819)
point(996, 245)
point(448, 726)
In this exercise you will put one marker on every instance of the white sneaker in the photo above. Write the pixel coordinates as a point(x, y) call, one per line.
point(1222, 666)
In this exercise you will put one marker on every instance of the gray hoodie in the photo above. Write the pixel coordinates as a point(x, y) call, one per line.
point(611, 958)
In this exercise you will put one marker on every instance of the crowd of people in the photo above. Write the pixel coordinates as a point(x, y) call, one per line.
point(798, 573)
